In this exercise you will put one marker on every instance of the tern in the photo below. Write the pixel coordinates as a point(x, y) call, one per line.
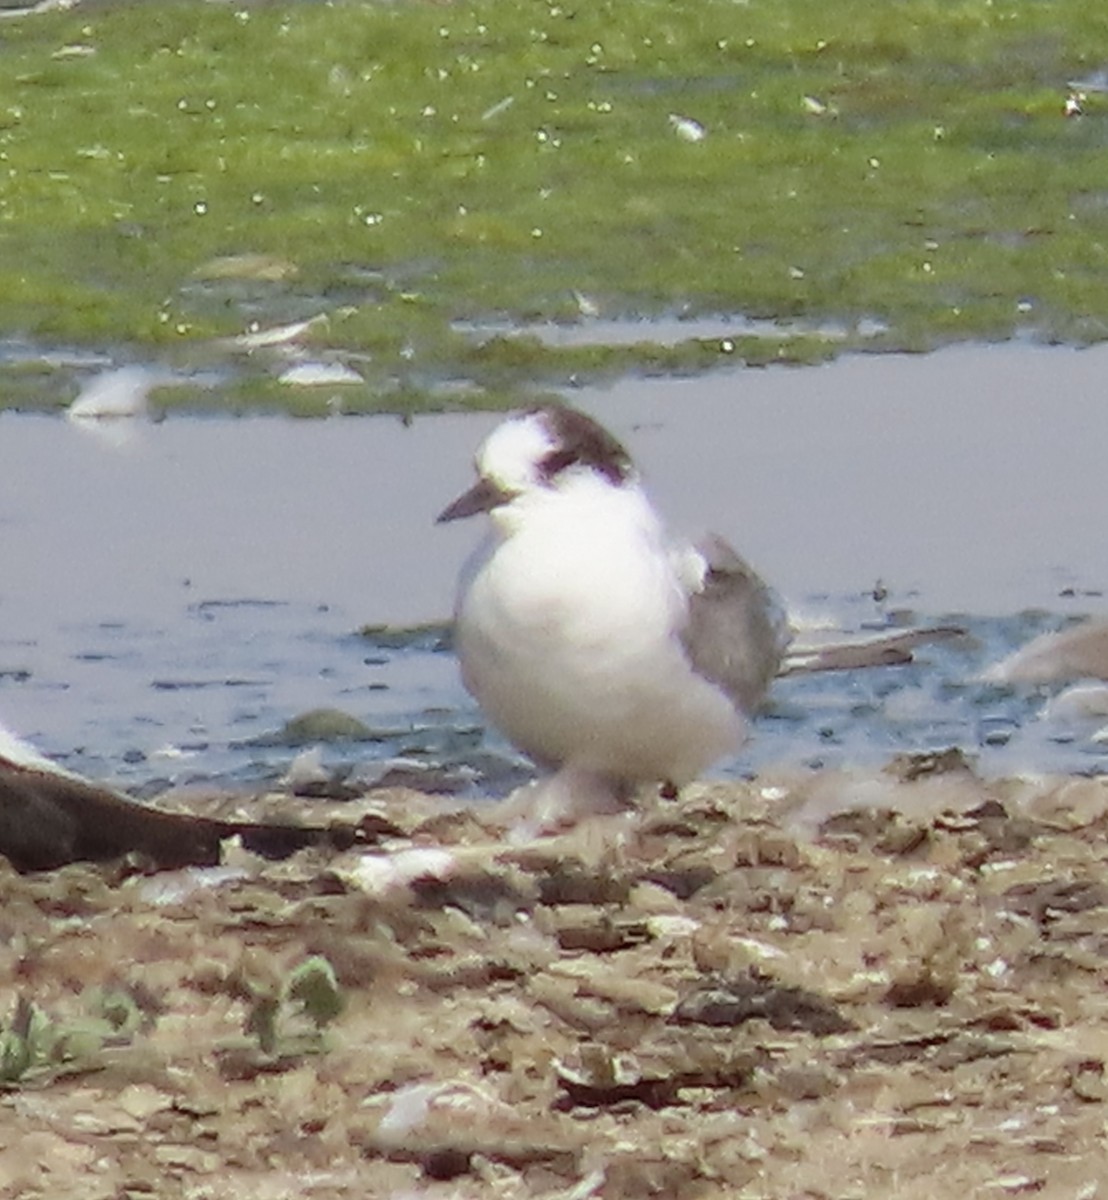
point(611, 653)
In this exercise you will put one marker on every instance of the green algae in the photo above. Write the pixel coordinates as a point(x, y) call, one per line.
point(403, 167)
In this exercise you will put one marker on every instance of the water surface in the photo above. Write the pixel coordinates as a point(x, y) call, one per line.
point(168, 596)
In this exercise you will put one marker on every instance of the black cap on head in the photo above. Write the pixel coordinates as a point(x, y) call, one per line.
point(581, 441)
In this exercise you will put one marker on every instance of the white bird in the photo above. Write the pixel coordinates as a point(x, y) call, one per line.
point(611, 654)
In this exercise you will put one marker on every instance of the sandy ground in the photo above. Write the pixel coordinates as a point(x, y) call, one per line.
point(816, 985)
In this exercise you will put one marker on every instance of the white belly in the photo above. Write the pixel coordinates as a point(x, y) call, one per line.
point(571, 650)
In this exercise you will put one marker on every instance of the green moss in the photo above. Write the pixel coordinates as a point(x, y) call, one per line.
point(410, 165)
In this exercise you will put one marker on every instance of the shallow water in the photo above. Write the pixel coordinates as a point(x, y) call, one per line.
point(171, 594)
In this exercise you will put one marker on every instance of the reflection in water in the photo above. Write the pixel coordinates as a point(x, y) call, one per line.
point(161, 607)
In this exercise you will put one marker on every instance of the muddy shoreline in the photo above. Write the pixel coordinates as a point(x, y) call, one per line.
point(815, 984)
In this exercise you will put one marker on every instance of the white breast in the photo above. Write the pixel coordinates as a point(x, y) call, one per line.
point(567, 634)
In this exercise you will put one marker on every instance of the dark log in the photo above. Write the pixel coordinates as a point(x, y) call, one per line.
point(49, 818)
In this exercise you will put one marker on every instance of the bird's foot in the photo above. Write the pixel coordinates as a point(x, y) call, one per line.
point(563, 800)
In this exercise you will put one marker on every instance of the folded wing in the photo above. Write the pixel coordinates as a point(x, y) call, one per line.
point(737, 632)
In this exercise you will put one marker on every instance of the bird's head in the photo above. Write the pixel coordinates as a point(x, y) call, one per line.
point(538, 453)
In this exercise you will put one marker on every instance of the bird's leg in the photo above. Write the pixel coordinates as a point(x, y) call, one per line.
point(563, 799)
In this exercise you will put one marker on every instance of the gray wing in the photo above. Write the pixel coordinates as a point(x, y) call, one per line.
point(737, 632)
